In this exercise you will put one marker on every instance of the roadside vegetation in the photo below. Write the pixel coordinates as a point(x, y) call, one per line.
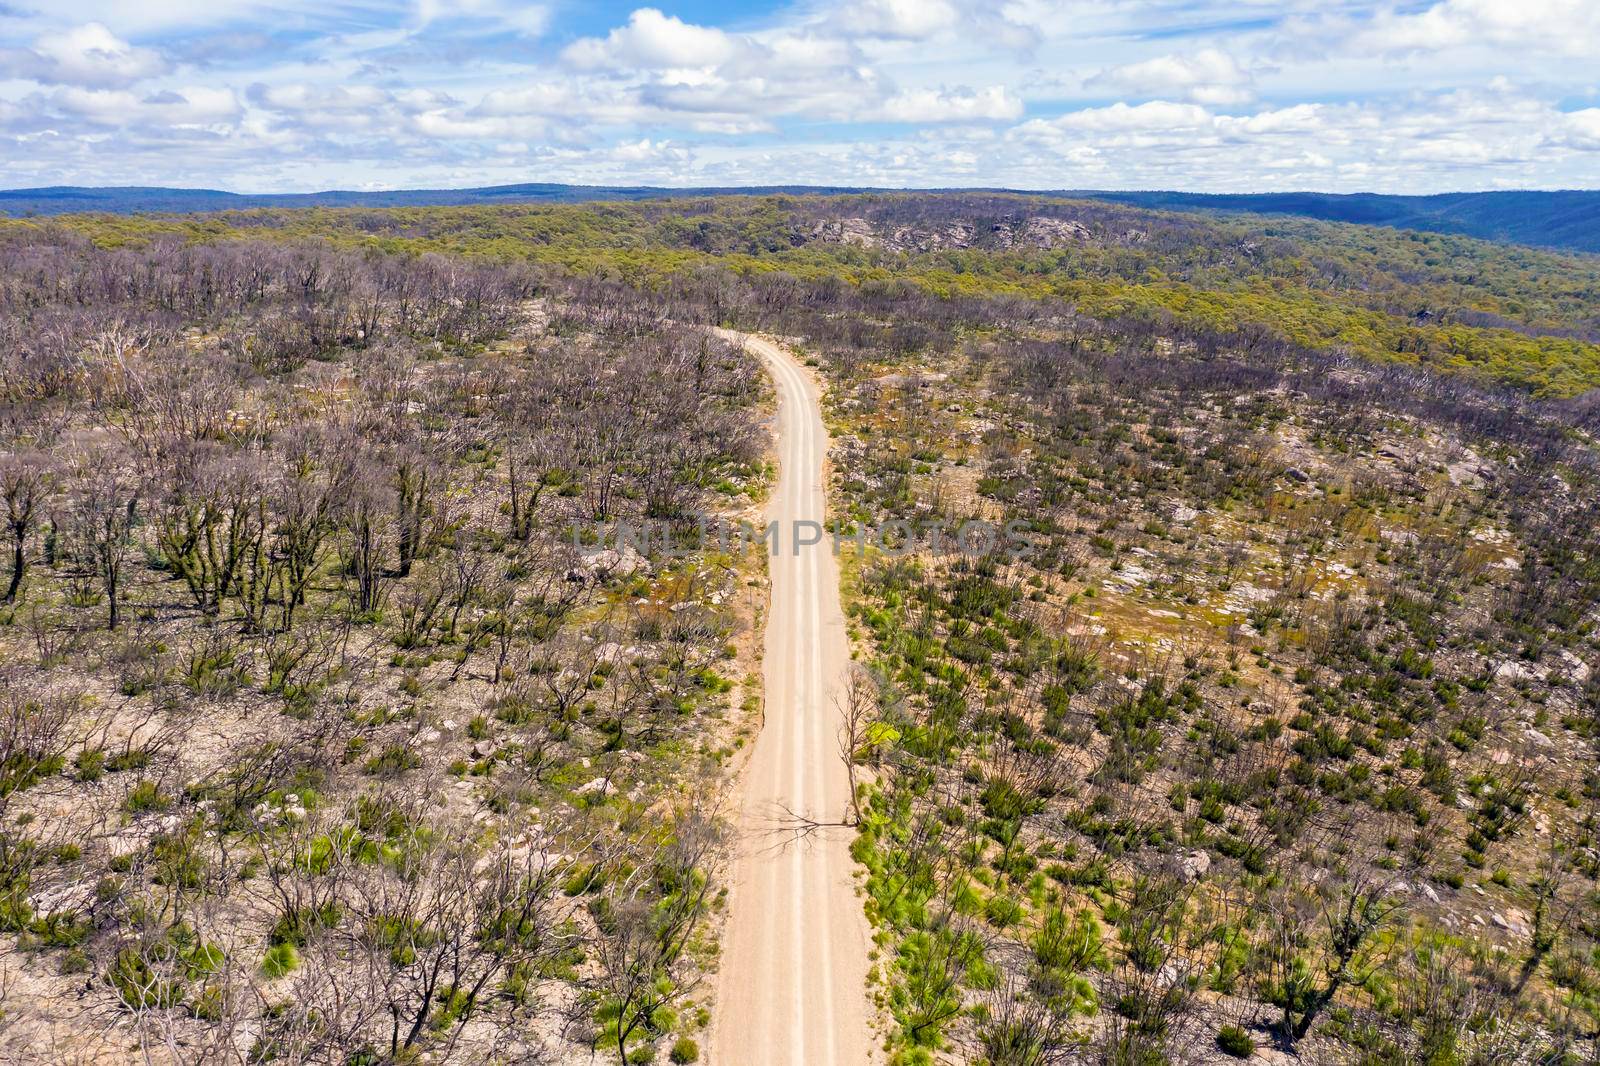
point(1283, 734)
point(323, 736)
point(321, 740)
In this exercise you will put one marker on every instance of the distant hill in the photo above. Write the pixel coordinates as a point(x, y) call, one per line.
point(135, 199)
point(1568, 219)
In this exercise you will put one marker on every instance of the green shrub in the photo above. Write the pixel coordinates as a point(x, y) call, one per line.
point(1003, 911)
point(139, 986)
point(1236, 1042)
point(685, 1050)
point(279, 960)
point(137, 759)
point(91, 763)
point(393, 761)
point(146, 796)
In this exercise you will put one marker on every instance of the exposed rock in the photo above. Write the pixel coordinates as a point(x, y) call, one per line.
point(1194, 865)
point(1054, 232)
point(1038, 232)
point(1510, 670)
point(951, 235)
point(1010, 232)
point(1294, 473)
point(125, 844)
point(600, 786)
point(609, 562)
point(1577, 670)
point(71, 897)
point(856, 231)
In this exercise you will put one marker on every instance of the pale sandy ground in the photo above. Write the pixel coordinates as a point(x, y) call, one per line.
point(792, 984)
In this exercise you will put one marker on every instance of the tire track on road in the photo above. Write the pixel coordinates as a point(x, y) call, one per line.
point(794, 966)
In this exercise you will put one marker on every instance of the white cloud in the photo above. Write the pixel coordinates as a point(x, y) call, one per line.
point(658, 68)
point(544, 98)
point(193, 106)
point(982, 24)
point(1569, 27)
point(1401, 95)
point(1583, 129)
point(646, 150)
point(452, 125)
point(1156, 115)
point(302, 98)
point(654, 41)
point(1298, 118)
point(1457, 139)
point(993, 104)
point(157, 16)
point(529, 20)
point(89, 55)
point(1207, 76)
point(913, 20)
point(802, 52)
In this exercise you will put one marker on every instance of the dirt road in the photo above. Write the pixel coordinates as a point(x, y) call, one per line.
point(792, 985)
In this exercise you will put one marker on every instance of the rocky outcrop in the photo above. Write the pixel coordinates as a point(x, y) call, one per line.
point(1016, 231)
point(1039, 232)
point(609, 563)
point(856, 231)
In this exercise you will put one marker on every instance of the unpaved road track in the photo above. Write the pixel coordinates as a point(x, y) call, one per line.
point(792, 984)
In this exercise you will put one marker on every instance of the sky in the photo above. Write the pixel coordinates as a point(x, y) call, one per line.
point(1206, 95)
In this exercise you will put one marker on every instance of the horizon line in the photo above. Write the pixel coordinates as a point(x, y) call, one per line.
point(767, 186)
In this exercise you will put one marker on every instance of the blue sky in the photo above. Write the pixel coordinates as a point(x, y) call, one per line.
point(299, 95)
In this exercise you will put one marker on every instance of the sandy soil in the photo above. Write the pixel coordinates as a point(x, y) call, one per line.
point(792, 984)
